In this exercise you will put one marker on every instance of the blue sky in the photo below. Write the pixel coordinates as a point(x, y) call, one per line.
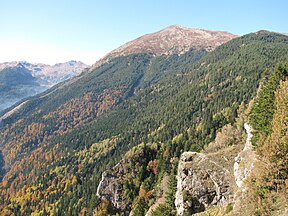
point(60, 30)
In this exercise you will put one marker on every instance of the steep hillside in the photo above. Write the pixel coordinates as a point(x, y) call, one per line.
point(57, 145)
point(268, 184)
point(224, 180)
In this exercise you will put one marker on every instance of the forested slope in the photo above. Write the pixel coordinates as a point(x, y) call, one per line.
point(59, 143)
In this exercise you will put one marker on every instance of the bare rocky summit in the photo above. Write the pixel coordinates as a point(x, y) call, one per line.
point(174, 39)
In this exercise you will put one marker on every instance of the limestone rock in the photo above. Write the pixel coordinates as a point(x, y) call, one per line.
point(202, 183)
point(110, 188)
point(125, 177)
point(244, 162)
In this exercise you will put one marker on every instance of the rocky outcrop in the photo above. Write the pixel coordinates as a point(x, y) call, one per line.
point(244, 162)
point(121, 184)
point(243, 167)
point(202, 183)
point(215, 179)
point(111, 188)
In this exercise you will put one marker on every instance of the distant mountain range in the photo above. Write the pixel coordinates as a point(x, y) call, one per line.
point(22, 79)
point(51, 74)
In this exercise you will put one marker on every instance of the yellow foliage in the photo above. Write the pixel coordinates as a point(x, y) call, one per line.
point(74, 180)
point(102, 210)
point(177, 139)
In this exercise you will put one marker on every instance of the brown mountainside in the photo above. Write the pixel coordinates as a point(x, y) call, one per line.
point(174, 39)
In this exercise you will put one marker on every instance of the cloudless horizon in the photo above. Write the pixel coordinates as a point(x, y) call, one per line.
point(58, 31)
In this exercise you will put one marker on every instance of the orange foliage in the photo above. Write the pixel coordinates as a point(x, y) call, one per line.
point(153, 166)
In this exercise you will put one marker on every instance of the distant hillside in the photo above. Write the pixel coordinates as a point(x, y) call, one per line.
point(16, 75)
point(19, 80)
point(16, 83)
point(52, 74)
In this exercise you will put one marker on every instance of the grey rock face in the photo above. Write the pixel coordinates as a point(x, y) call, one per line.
point(247, 157)
point(202, 183)
point(110, 188)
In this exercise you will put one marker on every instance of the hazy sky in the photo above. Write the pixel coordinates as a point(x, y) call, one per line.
point(51, 31)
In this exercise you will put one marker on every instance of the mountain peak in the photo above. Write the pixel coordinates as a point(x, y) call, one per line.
point(174, 39)
point(176, 26)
